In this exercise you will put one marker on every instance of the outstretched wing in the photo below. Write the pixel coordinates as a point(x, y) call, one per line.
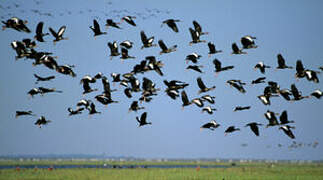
point(143, 117)
point(281, 61)
point(143, 37)
point(194, 34)
point(283, 117)
point(39, 28)
point(53, 32)
point(162, 45)
point(299, 66)
point(96, 25)
point(184, 97)
point(172, 25)
point(200, 83)
point(106, 87)
point(197, 26)
point(235, 48)
point(217, 64)
point(211, 47)
point(61, 31)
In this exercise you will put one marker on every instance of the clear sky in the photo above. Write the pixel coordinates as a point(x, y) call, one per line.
point(292, 28)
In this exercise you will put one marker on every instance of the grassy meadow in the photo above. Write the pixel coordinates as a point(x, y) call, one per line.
point(240, 171)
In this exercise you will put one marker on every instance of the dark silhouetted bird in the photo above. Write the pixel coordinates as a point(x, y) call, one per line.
point(195, 37)
point(135, 107)
point(212, 49)
point(241, 108)
point(106, 87)
point(104, 100)
point(58, 35)
point(84, 102)
point(33, 92)
point(236, 85)
point(43, 78)
point(198, 28)
point(142, 121)
point(125, 55)
point(285, 93)
point(297, 94)
point(202, 86)
point(17, 24)
point(113, 49)
point(284, 118)
point(312, 76)
point(74, 112)
point(127, 44)
point(193, 57)
point(185, 100)
point(129, 20)
point(261, 66)
point(281, 63)
point(208, 109)
point(111, 23)
point(172, 24)
point(317, 93)
point(39, 32)
point(265, 99)
point(287, 130)
point(209, 98)
point(92, 109)
point(212, 125)
point(147, 42)
point(236, 50)
point(172, 93)
point(248, 42)
point(42, 121)
point(231, 129)
point(96, 29)
point(66, 69)
point(48, 90)
point(164, 48)
point(24, 113)
point(198, 102)
point(254, 127)
point(195, 68)
point(218, 66)
point(259, 80)
point(271, 117)
point(300, 71)
point(175, 84)
point(127, 92)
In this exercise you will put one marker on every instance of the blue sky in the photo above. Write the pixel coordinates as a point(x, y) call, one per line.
point(292, 28)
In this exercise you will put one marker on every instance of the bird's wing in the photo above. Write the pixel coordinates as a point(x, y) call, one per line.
point(61, 31)
point(197, 26)
point(235, 48)
point(184, 97)
point(143, 37)
point(96, 25)
point(143, 117)
point(39, 28)
point(211, 47)
point(283, 117)
point(217, 64)
point(53, 32)
point(162, 45)
point(200, 83)
point(193, 34)
point(299, 66)
point(173, 26)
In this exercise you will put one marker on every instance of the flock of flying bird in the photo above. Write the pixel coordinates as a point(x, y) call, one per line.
point(174, 88)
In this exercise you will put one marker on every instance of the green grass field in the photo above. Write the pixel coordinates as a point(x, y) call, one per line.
point(241, 171)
